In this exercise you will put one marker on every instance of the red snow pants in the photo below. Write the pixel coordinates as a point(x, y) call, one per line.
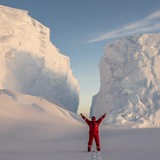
point(94, 136)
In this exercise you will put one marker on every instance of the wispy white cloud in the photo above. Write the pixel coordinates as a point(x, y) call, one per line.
point(150, 23)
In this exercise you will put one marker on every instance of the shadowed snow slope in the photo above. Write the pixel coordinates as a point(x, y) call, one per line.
point(30, 118)
point(32, 128)
point(31, 64)
point(130, 82)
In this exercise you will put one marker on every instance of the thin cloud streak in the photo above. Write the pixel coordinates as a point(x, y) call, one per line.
point(149, 24)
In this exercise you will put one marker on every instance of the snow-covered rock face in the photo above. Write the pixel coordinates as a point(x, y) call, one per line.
point(31, 64)
point(130, 82)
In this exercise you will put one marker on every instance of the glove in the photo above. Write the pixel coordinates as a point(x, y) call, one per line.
point(104, 115)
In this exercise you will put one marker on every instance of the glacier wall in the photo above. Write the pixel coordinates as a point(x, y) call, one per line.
point(130, 82)
point(31, 64)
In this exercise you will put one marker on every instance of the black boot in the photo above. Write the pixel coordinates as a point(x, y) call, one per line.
point(98, 149)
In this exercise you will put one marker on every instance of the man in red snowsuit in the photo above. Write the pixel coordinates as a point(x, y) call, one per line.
point(93, 131)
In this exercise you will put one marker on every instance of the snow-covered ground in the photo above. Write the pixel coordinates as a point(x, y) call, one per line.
point(134, 144)
point(32, 128)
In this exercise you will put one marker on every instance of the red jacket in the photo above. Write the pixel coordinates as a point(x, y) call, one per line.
point(93, 125)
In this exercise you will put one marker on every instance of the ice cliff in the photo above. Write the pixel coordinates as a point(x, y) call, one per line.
point(31, 64)
point(130, 82)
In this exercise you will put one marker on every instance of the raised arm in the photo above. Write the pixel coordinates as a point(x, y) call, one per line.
point(86, 119)
point(101, 118)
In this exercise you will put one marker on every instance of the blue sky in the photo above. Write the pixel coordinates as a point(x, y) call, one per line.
point(81, 28)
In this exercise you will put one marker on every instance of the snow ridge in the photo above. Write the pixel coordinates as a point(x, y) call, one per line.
point(130, 88)
point(31, 64)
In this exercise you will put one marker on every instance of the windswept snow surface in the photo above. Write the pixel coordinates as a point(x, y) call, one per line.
point(130, 82)
point(32, 128)
point(31, 64)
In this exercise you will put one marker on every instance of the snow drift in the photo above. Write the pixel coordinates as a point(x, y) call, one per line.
point(130, 82)
point(30, 118)
point(31, 64)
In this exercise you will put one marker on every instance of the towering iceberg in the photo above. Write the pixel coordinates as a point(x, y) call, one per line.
point(130, 82)
point(31, 64)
